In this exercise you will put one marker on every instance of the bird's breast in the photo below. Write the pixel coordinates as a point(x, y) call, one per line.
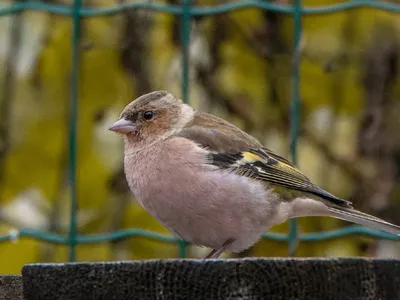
point(198, 202)
point(164, 176)
point(165, 166)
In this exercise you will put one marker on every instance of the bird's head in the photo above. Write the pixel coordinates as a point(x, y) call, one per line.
point(152, 117)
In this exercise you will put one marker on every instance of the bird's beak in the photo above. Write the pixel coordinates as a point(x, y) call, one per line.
point(123, 126)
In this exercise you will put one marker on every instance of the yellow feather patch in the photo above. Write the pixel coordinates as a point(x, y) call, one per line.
point(250, 157)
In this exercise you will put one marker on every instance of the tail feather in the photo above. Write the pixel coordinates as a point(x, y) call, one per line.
point(363, 219)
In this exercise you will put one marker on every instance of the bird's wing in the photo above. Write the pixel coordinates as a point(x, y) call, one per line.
point(232, 149)
point(217, 135)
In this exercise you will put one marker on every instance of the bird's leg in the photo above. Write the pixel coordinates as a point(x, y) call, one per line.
point(215, 253)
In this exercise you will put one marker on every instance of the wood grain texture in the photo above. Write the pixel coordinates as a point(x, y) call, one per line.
point(289, 279)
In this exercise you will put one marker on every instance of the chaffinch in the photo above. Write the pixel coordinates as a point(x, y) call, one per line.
point(212, 184)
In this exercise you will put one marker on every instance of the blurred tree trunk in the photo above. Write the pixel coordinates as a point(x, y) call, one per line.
point(375, 140)
point(9, 84)
point(135, 48)
point(134, 59)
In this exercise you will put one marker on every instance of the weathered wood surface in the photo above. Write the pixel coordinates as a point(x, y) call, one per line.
point(286, 279)
point(11, 287)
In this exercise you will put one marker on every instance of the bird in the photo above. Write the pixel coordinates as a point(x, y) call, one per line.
point(212, 184)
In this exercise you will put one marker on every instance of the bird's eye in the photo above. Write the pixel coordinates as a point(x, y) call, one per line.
point(148, 115)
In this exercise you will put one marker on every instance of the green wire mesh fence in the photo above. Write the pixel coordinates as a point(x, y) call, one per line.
point(186, 12)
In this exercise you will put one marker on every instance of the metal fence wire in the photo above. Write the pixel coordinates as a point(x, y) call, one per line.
point(186, 11)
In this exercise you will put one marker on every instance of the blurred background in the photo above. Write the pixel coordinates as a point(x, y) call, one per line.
point(241, 66)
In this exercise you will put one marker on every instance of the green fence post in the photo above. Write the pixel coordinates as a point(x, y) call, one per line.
point(72, 136)
point(185, 42)
point(295, 111)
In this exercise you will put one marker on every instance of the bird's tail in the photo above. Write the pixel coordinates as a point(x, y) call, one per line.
point(355, 216)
